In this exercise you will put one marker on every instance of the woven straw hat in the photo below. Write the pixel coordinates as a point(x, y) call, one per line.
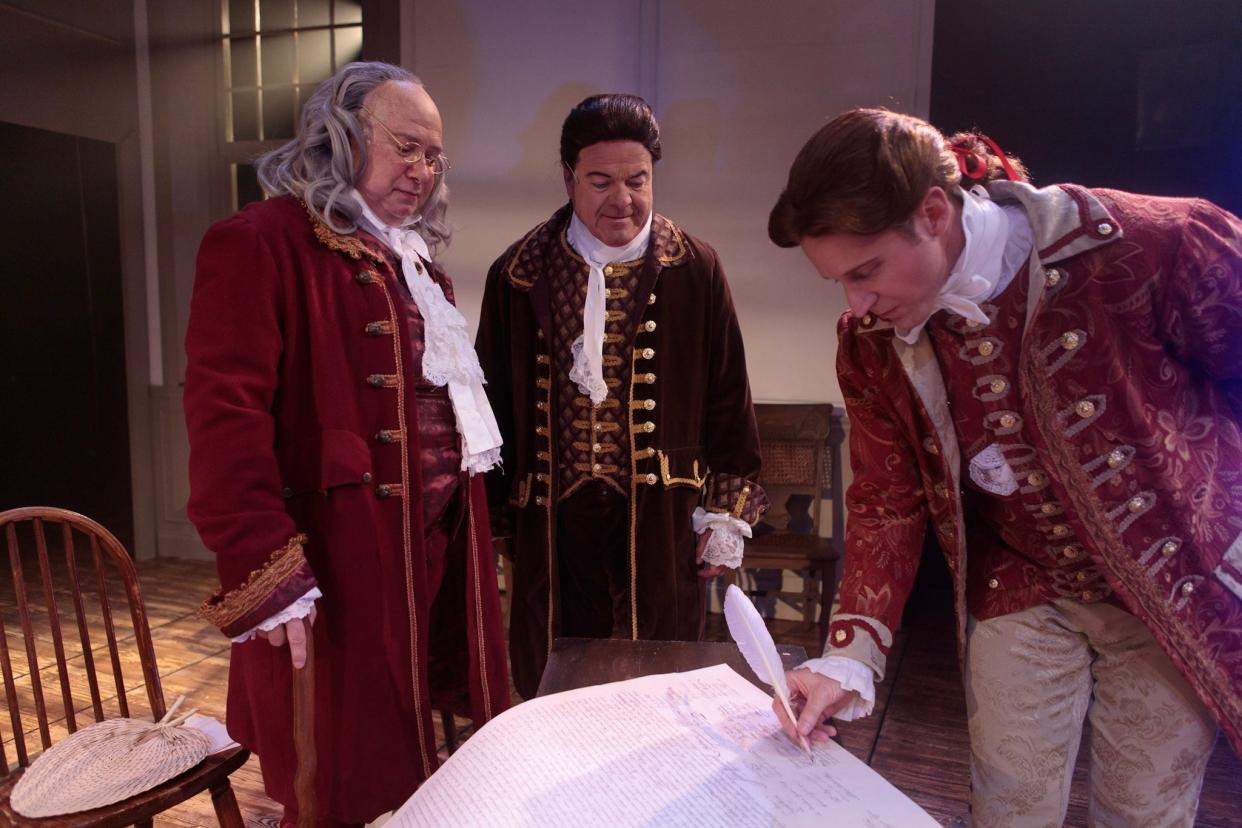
point(107, 762)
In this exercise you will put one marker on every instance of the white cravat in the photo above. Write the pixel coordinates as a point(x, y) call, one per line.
point(588, 349)
point(449, 358)
point(979, 267)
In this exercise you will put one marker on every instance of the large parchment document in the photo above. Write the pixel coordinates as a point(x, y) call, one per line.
point(701, 748)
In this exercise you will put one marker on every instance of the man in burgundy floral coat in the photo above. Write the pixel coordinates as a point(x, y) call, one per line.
point(1050, 380)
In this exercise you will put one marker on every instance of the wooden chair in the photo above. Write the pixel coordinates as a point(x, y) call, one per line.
point(61, 586)
point(801, 445)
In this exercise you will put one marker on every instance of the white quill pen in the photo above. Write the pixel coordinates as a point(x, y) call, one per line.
point(753, 639)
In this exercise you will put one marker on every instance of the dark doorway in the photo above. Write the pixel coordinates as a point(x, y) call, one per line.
point(64, 438)
point(1137, 95)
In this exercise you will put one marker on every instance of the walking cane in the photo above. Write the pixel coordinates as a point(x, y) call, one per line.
point(304, 734)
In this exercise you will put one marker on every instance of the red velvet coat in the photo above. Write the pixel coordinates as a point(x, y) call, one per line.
point(1151, 380)
point(298, 358)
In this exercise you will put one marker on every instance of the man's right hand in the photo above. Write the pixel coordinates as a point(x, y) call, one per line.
point(815, 699)
point(294, 632)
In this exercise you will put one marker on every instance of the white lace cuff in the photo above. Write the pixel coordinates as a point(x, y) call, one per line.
point(853, 675)
point(724, 547)
point(298, 609)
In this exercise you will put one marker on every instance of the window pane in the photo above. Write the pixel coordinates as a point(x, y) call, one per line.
point(245, 122)
point(313, 12)
point(245, 185)
point(242, 62)
point(241, 16)
point(314, 56)
point(277, 113)
point(348, 11)
point(348, 45)
point(275, 14)
point(277, 53)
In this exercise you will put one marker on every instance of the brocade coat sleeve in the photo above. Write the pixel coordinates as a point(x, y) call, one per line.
point(233, 348)
point(886, 504)
point(732, 435)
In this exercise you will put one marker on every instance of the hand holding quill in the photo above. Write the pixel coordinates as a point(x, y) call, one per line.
point(753, 639)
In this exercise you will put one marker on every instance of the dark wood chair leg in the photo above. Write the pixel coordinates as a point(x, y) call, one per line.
point(450, 731)
point(227, 812)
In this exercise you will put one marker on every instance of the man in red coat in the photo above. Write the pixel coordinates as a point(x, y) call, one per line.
point(338, 428)
point(1050, 381)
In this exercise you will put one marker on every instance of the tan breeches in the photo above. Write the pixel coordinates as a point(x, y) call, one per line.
point(1032, 675)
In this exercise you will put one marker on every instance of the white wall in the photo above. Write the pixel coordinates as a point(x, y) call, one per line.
point(737, 88)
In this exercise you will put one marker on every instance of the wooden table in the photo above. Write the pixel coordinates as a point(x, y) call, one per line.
point(584, 662)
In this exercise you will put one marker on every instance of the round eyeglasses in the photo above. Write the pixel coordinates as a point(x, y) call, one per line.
point(412, 152)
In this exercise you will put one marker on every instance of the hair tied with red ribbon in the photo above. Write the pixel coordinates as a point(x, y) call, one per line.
point(974, 166)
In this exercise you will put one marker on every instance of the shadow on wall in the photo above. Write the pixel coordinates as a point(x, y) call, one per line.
point(541, 138)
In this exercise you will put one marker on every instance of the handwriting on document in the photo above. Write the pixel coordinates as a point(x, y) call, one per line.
point(685, 749)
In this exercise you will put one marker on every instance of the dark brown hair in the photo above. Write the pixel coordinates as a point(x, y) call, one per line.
point(612, 117)
point(866, 171)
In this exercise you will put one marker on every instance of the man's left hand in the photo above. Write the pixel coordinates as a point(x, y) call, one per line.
point(711, 570)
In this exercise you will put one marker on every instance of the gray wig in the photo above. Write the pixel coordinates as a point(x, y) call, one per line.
point(318, 166)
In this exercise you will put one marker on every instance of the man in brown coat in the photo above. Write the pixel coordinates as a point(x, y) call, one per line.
point(616, 370)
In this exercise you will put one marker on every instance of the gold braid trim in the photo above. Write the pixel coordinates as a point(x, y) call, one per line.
point(222, 609)
point(351, 246)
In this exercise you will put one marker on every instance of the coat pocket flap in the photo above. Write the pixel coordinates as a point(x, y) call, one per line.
point(683, 467)
point(334, 458)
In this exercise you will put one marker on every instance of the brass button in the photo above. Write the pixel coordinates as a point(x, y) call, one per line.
point(374, 328)
point(972, 324)
point(366, 477)
point(868, 320)
point(840, 636)
point(597, 447)
point(1060, 530)
point(1085, 409)
point(746, 490)
point(929, 445)
point(362, 278)
point(1115, 458)
point(1169, 548)
point(541, 405)
point(649, 405)
point(650, 326)
point(651, 299)
point(540, 500)
point(648, 427)
point(375, 380)
point(1088, 596)
point(651, 479)
point(650, 378)
point(1104, 228)
point(1070, 552)
point(1136, 504)
point(648, 353)
point(286, 492)
point(1008, 421)
point(1081, 576)
point(383, 490)
point(1053, 276)
point(598, 426)
point(986, 348)
point(1036, 478)
point(596, 468)
point(608, 293)
point(608, 270)
point(1188, 588)
point(998, 386)
point(993, 584)
point(1070, 340)
point(1048, 508)
point(941, 490)
point(539, 334)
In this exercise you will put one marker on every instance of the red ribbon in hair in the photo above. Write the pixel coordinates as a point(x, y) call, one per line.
point(975, 166)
